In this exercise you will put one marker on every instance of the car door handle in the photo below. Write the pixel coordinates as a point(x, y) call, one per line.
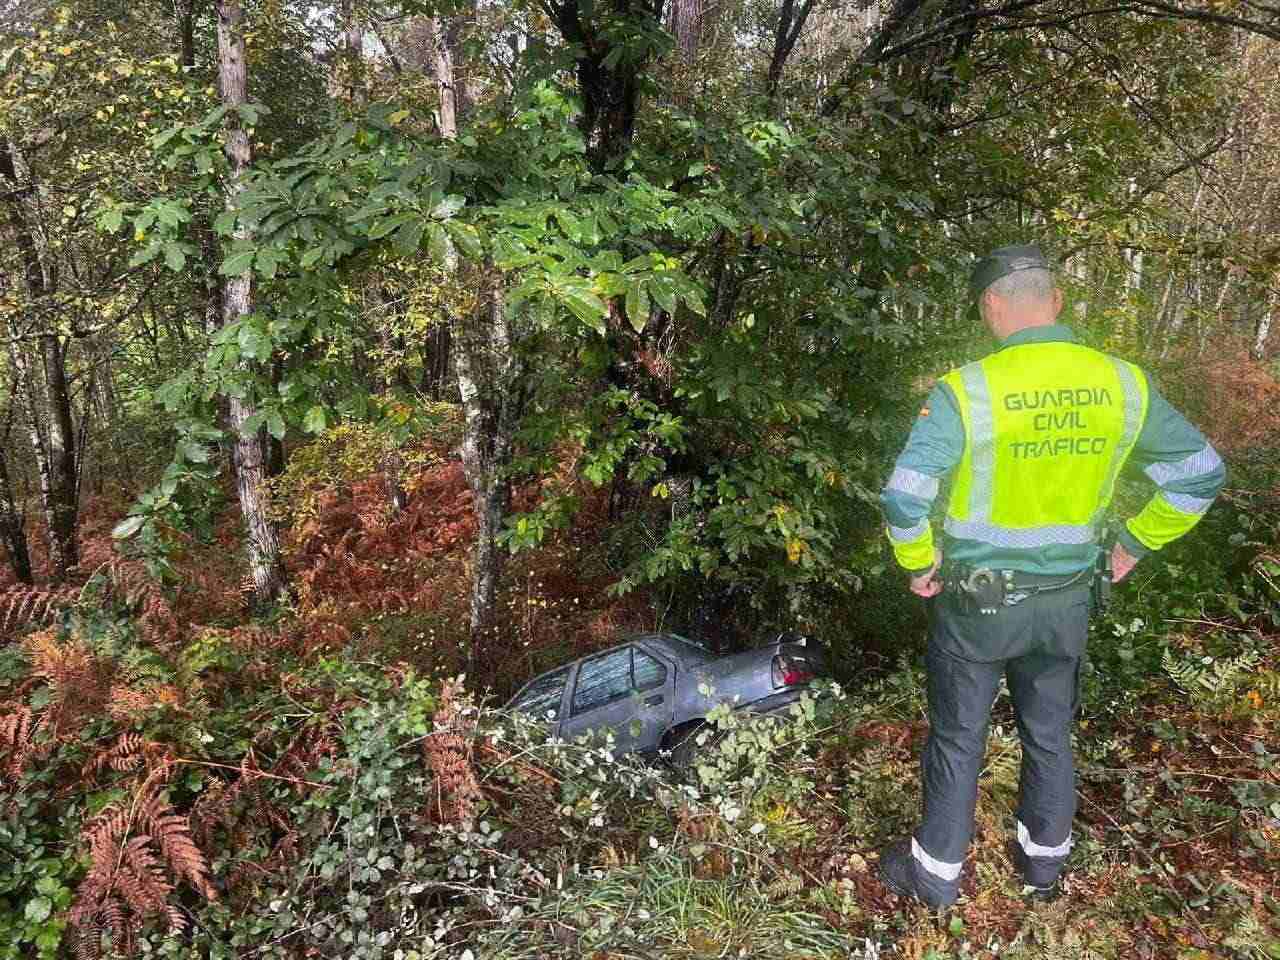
point(653, 701)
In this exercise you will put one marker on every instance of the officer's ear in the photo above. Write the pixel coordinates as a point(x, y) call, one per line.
point(1057, 301)
point(988, 310)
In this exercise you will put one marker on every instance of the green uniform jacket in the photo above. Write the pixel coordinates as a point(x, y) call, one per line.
point(1167, 448)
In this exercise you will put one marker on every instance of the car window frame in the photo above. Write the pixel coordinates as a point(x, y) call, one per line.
point(662, 661)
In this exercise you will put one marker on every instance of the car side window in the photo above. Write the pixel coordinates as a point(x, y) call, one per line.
point(543, 694)
point(649, 671)
point(602, 679)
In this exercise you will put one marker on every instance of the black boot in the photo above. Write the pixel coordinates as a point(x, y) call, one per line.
point(901, 873)
point(1040, 875)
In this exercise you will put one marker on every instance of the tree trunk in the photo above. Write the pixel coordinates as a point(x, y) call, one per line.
point(186, 14)
point(446, 81)
point(791, 23)
point(435, 360)
point(490, 380)
point(82, 434)
point(1079, 270)
point(451, 104)
point(11, 521)
point(250, 455)
point(61, 506)
point(1159, 318)
point(11, 529)
point(1170, 308)
point(347, 80)
point(49, 416)
point(686, 25)
point(1263, 331)
point(31, 407)
point(609, 84)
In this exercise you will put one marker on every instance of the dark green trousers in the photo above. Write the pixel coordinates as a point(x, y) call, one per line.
point(1038, 646)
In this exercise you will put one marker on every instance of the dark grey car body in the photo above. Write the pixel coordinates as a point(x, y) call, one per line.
point(651, 687)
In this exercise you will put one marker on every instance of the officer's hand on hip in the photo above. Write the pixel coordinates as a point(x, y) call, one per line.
point(1122, 561)
point(926, 584)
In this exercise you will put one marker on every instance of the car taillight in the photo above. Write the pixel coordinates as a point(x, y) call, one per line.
point(789, 671)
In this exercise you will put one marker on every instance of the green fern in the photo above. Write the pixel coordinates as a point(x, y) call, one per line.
point(1251, 939)
point(1209, 679)
point(1004, 762)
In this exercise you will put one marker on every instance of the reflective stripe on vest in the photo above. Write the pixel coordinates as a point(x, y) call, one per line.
point(981, 432)
point(1020, 538)
point(1048, 427)
point(1133, 411)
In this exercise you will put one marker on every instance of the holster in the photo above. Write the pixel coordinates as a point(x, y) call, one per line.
point(1101, 587)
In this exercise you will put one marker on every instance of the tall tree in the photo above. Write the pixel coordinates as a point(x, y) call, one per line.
point(490, 368)
point(12, 531)
point(686, 25)
point(250, 450)
point(47, 398)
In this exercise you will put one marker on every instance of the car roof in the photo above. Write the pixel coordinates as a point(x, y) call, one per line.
point(673, 645)
point(680, 648)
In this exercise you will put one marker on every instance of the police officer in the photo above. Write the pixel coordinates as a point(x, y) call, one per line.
point(1032, 439)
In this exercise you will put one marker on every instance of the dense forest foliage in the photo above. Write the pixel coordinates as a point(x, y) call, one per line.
point(365, 359)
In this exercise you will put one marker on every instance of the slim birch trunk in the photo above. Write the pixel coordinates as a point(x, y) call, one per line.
point(1233, 272)
point(1164, 318)
point(490, 382)
point(61, 433)
point(1263, 331)
point(48, 404)
point(250, 451)
point(12, 530)
point(1133, 259)
point(60, 554)
point(1078, 268)
point(446, 81)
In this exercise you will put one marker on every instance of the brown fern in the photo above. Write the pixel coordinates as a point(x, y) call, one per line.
point(23, 606)
point(137, 855)
point(129, 752)
point(171, 833)
point(18, 747)
point(80, 681)
point(448, 752)
point(126, 703)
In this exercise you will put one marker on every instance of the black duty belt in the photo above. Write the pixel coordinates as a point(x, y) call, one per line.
point(987, 591)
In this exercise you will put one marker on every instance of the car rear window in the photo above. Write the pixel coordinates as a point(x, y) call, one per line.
point(543, 694)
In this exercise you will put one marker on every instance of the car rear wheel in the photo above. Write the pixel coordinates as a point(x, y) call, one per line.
point(685, 748)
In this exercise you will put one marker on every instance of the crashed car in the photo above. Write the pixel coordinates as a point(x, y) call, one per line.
point(654, 690)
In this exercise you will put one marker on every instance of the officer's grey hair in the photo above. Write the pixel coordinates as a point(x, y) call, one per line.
point(1024, 286)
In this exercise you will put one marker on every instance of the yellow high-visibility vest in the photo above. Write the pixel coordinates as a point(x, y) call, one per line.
point(1048, 427)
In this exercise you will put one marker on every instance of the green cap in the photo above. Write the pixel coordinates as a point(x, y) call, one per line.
point(1000, 263)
